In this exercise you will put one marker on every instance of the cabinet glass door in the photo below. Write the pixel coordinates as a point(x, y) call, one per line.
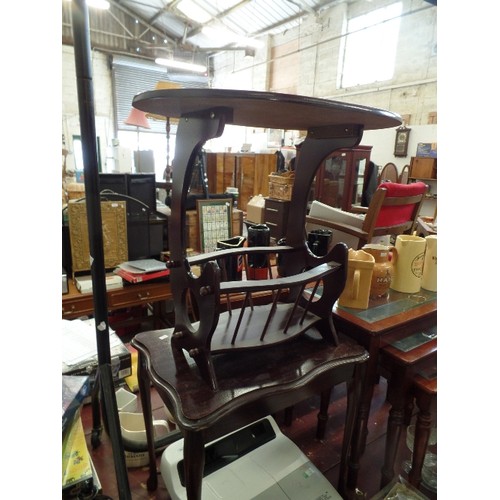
point(341, 178)
point(359, 178)
point(333, 181)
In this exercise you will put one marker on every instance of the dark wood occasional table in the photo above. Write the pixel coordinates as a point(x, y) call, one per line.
point(393, 318)
point(241, 384)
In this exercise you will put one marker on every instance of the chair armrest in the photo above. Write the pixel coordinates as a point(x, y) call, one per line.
point(345, 228)
point(358, 209)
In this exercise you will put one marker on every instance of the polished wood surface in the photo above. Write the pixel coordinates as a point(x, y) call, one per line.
point(252, 384)
point(374, 334)
point(265, 109)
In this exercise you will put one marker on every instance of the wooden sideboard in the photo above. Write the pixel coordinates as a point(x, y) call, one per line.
point(76, 304)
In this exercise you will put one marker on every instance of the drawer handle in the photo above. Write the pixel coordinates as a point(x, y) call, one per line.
point(271, 209)
point(72, 309)
point(271, 223)
point(143, 297)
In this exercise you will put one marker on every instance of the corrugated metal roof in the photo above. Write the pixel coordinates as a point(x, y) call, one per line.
point(150, 28)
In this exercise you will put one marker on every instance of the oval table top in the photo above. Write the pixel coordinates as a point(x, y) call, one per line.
point(264, 109)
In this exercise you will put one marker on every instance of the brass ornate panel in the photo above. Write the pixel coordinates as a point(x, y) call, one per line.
point(114, 233)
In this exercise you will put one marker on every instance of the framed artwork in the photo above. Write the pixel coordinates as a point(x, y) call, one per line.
point(402, 139)
point(215, 222)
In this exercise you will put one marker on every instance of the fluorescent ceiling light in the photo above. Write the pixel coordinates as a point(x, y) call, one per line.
point(226, 37)
point(194, 11)
point(97, 4)
point(170, 63)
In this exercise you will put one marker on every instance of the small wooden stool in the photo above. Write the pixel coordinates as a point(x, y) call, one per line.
point(425, 393)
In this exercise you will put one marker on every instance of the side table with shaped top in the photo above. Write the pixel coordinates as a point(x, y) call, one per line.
point(230, 368)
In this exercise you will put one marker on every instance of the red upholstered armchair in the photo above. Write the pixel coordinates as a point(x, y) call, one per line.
point(393, 210)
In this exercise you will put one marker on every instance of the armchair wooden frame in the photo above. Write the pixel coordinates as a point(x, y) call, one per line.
point(370, 227)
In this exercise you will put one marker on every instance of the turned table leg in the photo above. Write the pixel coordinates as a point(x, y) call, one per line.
point(425, 393)
point(394, 426)
point(323, 413)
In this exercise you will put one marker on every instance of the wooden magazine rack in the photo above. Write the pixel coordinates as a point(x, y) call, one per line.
point(291, 311)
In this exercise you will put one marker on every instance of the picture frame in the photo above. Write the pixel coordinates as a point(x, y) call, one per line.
point(402, 140)
point(214, 222)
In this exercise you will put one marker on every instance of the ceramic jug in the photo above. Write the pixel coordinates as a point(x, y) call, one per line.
point(429, 275)
point(359, 276)
point(385, 258)
point(409, 266)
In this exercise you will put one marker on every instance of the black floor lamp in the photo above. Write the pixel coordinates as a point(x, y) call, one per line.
point(83, 66)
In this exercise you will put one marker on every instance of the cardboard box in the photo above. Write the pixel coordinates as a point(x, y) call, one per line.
point(255, 209)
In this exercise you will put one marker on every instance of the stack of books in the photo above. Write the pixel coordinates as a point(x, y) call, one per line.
point(137, 271)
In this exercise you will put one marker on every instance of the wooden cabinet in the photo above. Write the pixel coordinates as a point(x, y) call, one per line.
point(340, 179)
point(276, 216)
point(246, 171)
point(423, 168)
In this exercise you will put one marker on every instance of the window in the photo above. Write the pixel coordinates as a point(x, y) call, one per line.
point(78, 150)
point(130, 77)
point(370, 47)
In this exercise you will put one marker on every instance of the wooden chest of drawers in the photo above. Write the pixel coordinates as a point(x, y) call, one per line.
point(276, 216)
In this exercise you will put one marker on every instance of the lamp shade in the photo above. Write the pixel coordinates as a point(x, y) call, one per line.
point(137, 118)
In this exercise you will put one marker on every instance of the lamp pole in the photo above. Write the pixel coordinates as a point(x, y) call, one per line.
point(83, 65)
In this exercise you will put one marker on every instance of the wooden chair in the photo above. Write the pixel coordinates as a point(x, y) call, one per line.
point(404, 176)
point(393, 210)
point(389, 173)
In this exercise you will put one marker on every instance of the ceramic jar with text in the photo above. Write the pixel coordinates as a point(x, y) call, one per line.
point(429, 275)
point(383, 270)
point(410, 264)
